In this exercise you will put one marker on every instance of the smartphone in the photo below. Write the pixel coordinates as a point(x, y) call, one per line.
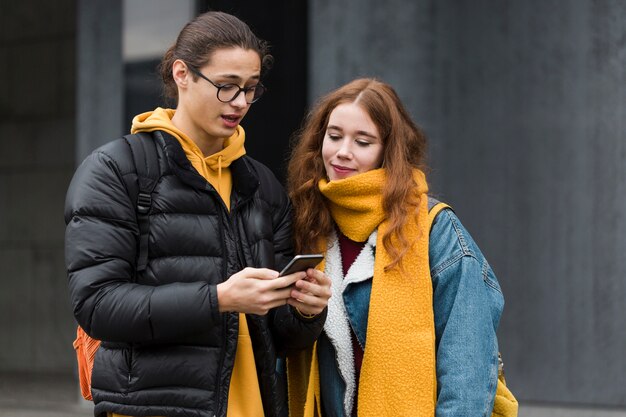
point(301, 263)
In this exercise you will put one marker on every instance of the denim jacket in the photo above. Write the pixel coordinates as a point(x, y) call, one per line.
point(467, 303)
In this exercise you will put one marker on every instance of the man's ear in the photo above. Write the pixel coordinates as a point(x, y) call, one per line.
point(181, 74)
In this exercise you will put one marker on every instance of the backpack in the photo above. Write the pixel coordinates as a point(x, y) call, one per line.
point(144, 151)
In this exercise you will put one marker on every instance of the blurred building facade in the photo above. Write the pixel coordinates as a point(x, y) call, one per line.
point(523, 102)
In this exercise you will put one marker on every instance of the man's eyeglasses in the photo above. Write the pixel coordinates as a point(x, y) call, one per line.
point(228, 92)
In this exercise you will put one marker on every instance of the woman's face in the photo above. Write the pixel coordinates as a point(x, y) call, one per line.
point(207, 116)
point(352, 144)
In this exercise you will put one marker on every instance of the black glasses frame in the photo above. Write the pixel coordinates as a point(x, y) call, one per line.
point(258, 89)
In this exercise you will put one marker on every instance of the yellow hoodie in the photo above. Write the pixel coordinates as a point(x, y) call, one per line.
point(214, 168)
point(244, 398)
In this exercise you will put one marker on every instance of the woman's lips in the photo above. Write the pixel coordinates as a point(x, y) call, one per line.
point(342, 170)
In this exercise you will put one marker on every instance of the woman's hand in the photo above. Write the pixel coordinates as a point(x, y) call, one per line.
point(310, 295)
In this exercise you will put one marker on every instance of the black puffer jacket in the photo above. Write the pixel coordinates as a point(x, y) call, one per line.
point(167, 351)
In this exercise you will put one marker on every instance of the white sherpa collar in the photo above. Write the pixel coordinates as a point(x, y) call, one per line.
point(337, 326)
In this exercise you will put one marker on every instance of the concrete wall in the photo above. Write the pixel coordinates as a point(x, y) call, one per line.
point(524, 103)
point(100, 75)
point(37, 107)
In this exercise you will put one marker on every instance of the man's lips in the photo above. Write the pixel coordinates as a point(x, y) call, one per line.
point(231, 120)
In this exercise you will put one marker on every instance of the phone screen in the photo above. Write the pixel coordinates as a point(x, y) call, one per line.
point(302, 263)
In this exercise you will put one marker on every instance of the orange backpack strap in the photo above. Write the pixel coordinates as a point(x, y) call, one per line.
point(86, 348)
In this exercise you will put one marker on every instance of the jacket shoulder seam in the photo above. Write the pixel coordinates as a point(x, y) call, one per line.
point(463, 249)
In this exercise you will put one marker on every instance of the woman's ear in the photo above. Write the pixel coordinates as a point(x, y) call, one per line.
point(181, 74)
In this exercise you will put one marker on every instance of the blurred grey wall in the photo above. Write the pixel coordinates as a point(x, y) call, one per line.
point(37, 130)
point(100, 72)
point(524, 103)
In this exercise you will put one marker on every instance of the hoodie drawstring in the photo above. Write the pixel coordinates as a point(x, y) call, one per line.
point(219, 172)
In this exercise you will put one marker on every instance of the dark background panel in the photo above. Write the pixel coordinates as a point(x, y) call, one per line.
point(272, 120)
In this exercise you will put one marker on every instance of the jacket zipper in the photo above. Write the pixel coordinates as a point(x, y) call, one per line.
point(218, 400)
point(130, 365)
point(240, 257)
point(239, 253)
point(218, 391)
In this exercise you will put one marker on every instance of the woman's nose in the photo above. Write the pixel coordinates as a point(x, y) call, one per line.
point(344, 150)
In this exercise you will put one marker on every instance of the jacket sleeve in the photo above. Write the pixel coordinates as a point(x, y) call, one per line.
point(100, 254)
point(290, 329)
point(293, 331)
point(467, 307)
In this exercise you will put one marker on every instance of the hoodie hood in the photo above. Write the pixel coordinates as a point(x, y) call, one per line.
point(214, 168)
point(161, 119)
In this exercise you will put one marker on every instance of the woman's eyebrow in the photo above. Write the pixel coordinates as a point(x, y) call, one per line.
point(358, 132)
point(368, 134)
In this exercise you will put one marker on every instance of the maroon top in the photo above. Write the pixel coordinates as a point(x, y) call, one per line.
point(349, 251)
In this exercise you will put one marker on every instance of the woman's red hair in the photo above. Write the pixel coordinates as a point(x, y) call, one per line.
point(404, 147)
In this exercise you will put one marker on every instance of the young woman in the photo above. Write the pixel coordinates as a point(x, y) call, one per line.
point(411, 325)
point(197, 332)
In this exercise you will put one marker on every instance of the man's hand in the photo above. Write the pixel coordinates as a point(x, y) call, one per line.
point(255, 290)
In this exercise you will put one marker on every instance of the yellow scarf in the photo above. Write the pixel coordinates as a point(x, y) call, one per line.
point(398, 375)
